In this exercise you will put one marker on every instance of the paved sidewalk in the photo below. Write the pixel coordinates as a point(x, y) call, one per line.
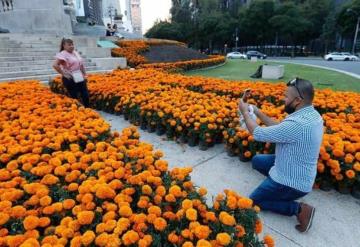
point(337, 217)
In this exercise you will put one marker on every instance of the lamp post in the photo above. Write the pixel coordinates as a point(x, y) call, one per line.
point(356, 30)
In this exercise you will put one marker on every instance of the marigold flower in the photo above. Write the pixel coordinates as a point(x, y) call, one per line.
point(85, 217)
point(4, 218)
point(269, 241)
point(125, 211)
point(160, 224)
point(191, 214)
point(202, 232)
point(31, 222)
point(223, 238)
point(245, 203)
point(87, 238)
point(203, 243)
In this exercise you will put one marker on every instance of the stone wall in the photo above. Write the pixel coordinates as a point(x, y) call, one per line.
point(36, 16)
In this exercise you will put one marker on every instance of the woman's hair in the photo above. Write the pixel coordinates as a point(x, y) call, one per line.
point(63, 41)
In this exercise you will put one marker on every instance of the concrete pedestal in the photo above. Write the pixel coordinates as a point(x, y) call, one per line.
point(37, 16)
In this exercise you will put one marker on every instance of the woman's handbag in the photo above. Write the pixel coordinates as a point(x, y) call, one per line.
point(77, 76)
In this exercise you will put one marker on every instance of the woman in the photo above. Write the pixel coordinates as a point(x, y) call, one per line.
point(70, 65)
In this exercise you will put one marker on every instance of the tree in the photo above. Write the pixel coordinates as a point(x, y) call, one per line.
point(254, 22)
point(329, 30)
point(316, 12)
point(347, 19)
point(290, 24)
point(165, 30)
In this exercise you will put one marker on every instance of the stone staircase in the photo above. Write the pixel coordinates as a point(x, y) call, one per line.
point(24, 57)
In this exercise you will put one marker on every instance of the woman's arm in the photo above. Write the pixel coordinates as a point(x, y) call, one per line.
point(82, 68)
point(58, 69)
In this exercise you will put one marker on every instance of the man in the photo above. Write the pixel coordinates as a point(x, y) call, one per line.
point(292, 170)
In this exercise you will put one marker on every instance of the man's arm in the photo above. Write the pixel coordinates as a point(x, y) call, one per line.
point(250, 123)
point(268, 121)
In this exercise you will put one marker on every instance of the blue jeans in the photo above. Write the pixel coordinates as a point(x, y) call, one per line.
point(271, 195)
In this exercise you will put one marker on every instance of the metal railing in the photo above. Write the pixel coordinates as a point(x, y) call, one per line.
point(6, 5)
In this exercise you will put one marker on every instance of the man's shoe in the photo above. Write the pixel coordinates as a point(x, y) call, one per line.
point(305, 217)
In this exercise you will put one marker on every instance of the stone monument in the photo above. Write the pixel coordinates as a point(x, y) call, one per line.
point(69, 8)
point(35, 16)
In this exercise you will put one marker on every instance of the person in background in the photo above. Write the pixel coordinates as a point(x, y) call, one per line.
point(108, 30)
point(114, 30)
point(70, 65)
point(291, 171)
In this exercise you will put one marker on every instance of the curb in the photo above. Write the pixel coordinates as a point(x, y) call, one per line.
point(320, 67)
point(207, 68)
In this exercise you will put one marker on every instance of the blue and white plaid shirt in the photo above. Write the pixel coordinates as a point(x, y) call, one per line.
point(298, 139)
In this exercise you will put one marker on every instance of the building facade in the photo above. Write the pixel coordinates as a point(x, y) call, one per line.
point(102, 12)
point(135, 15)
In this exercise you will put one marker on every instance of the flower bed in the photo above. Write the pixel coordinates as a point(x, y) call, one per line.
point(65, 180)
point(202, 110)
point(186, 65)
point(132, 49)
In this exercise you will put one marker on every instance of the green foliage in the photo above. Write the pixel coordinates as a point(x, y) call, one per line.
point(213, 23)
point(347, 17)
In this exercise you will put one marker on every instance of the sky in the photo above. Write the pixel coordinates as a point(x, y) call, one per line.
point(151, 10)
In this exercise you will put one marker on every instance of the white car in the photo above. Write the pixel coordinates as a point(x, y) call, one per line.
point(340, 56)
point(233, 55)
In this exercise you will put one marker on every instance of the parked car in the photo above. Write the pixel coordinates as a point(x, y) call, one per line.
point(234, 55)
point(257, 54)
point(340, 56)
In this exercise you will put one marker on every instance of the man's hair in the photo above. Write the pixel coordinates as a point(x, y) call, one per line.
point(305, 88)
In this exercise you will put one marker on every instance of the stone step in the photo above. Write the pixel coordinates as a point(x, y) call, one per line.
point(27, 49)
point(27, 53)
point(13, 44)
point(44, 42)
point(35, 62)
point(37, 49)
point(30, 58)
point(45, 77)
point(26, 58)
point(9, 45)
point(34, 73)
point(57, 46)
point(30, 67)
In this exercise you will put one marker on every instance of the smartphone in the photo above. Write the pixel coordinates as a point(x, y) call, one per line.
point(246, 94)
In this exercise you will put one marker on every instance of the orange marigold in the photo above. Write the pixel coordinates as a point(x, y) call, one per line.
point(125, 211)
point(160, 224)
point(350, 173)
point(245, 203)
point(31, 222)
point(269, 241)
point(85, 217)
point(223, 238)
point(191, 214)
point(203, 243)
point(202, 232)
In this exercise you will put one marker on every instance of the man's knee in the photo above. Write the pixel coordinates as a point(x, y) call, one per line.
point(256, 162)
point(256, 198)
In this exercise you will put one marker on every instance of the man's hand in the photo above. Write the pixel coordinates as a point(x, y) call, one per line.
point(243, 107)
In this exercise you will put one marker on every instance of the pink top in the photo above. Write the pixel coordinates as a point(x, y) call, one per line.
point(73, 61)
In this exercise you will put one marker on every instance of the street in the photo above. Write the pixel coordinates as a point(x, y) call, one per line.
point(348, 66)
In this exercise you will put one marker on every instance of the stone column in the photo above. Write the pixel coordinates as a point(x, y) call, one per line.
point(36, 16)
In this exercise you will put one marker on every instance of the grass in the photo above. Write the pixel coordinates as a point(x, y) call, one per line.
point(321, 78)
